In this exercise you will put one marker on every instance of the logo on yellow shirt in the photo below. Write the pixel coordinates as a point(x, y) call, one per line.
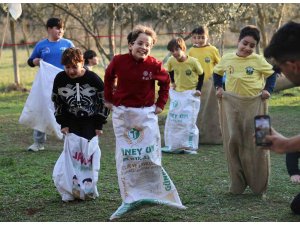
point(207, 59)
point(249, 70)
point(188, 72)
point(230, 69)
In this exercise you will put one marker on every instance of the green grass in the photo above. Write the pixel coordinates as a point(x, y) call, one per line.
point(28, 193)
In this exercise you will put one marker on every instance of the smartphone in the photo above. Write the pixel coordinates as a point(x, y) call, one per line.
point(262, 124)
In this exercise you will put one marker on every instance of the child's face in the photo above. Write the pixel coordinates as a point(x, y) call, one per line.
point(246, 46)
point(74, 71)
point(199, 40)
point(141, 47)
point(55, 33)
point(94, 61)
point(178, 54)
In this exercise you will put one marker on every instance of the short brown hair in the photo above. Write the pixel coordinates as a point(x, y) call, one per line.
point(176, 43)
point(72, 56)
point(139, 29)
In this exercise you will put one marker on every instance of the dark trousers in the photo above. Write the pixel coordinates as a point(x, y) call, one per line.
point(292, 160)
point(83, 128)
point(295, 205)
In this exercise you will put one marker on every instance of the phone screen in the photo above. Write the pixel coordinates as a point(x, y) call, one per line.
point(262, 128)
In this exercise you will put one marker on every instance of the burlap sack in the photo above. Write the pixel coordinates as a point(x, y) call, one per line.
point(208, 118)
point(247, 165)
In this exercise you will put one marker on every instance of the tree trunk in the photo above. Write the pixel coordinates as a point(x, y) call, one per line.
point(261, 23)
point(279, 20)
point(14, 49)
point(111, 29)
point(121, 38)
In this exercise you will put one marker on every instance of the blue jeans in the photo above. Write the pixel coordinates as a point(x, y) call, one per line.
point(39, 137)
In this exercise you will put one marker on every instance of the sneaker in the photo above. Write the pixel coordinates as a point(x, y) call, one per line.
point(67, 197)
point(191, 152)
point(36, 147)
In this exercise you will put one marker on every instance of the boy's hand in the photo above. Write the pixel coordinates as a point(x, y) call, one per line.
point(36, 61)
point(65, 130)
point(158, 110)
point(295, 178)
point(108, 105)
point(173, 85)
point(265, 94)
point(99, 132)
point(198, 93)
point(219, 92)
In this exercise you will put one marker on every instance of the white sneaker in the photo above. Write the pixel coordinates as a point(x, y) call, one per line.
point(67, 197)
point(36, 147)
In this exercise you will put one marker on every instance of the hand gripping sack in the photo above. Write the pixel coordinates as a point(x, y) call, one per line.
point(38, 111)
point(181, 132)
point(142, 179)
point(75, 173)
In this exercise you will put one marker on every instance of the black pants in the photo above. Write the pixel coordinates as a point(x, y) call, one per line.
point(83, 128)
point(295, 205)
point(292, 160)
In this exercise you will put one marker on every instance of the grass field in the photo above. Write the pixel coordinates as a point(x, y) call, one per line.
point(28, 193)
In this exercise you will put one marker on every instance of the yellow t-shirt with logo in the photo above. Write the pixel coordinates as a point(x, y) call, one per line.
point(245, 76)
point(185, 73)
point(208, 57)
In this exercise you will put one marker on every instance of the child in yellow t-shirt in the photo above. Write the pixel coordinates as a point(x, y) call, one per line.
point(181, 132)
point(186, 72)
point(208, 56)
point(249, 81)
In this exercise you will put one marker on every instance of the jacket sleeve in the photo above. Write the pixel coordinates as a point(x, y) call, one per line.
point(270, 82)
point(35, 54)
point(109, 80)
point(200, 82)
point(60, 110)
point(164, 86)
point(102, 112)
point(217, 80)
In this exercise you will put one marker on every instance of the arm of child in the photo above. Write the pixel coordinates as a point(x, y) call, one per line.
point(59, 109)
point(171, 74)
point(99, 132)
point(218, 84)
point(199, 84)
point(269, 87)
point(109, 83)
point(163, 79)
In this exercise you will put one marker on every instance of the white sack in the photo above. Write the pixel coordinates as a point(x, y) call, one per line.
point(38, 111)
point(142, 179)
point(181, 132)
point(80, 158)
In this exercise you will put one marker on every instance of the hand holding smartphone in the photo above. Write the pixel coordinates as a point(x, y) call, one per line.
point(262, 124)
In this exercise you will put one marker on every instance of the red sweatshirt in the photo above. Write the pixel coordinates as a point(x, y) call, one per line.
point(136, 82)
